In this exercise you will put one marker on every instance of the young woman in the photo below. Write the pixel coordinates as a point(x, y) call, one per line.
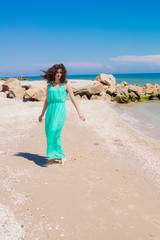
point(57, 90)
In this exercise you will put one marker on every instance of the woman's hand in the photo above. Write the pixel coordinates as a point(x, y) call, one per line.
point(82, 117)
point(40, 118)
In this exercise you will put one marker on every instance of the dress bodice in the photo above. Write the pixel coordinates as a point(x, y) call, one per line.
point(58, 94)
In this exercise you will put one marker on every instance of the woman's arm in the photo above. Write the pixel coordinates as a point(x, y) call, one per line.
point(44, 107)
point(71, 94)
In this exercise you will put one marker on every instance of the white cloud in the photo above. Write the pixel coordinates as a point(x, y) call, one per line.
point(139, 59)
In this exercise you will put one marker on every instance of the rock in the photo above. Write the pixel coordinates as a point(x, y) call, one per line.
point(106, 79)
point(78, 97)
point(150, 89)
point(96, 97)
point(107, 97)
point(11, 83)
point(13, 88)
point(111, 90)
point(122, 90)
point(95, 88)
point(17, 93)
point(82, 91)
point(84, 97)
point(148, 85)
point(89, 90)
point(35, 93)
point(121, 98)
point(133, 96)
point(10, 94)
point(136, 89)
point(26, 86)
point(157, 86)
point(124, 83)
point(40, 95)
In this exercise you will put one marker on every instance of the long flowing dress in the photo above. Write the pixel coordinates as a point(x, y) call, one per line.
point(54, 120)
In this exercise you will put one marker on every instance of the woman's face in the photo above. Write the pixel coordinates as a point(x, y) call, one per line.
point(59, 73)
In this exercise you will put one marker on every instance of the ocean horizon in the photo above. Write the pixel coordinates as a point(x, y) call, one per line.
point(131, 78)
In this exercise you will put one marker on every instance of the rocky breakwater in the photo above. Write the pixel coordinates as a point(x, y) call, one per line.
point(103, 88)
point(125, 92)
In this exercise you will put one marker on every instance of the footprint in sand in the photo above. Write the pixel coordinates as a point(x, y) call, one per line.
point(117, 142)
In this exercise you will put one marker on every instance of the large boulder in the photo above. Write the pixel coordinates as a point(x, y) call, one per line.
point(82, 91)
point(13, 88)
point(17, 93)
point(133, 96)
point(122, 98)
point(95, 88)
point(138, 90)
point(110, 90)
point(106, 79)
point(36, 93)
point(120, 89)
point(150, 89)
point(89, 90)
point(10, 84)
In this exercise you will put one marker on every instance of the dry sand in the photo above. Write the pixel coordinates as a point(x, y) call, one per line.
point(108, 189)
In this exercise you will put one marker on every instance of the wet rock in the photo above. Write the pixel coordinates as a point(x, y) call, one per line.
point(122, 98)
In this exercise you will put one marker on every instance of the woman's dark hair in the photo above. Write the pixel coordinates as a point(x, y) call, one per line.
point(51, 72)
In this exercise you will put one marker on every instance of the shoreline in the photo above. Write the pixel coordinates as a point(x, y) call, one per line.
point(137, 120)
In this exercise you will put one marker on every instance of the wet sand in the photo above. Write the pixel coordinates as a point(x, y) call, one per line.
point(109, 187)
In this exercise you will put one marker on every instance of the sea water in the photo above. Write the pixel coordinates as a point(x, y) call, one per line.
point(142, 116)
point(141, 78)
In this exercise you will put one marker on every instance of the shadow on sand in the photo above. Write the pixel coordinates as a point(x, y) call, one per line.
point(37, 159)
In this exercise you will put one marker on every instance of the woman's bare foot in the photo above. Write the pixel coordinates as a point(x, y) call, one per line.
point(51, 161)
point(62, 161)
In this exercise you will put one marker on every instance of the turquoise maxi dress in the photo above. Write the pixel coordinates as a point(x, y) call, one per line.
point(54, 120)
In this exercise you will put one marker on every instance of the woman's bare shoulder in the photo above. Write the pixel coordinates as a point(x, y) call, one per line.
point(68, 84)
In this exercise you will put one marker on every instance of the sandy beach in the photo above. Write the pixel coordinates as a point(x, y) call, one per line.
point(109, 187)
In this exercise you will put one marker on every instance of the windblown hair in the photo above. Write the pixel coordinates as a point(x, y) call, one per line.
point(51, 72)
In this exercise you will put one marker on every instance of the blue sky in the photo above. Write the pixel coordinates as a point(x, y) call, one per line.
point(88, 37)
